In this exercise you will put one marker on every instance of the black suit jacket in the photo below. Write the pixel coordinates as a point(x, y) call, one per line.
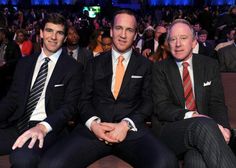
point(227, 58)
point(134, 100)
point(83, 55)
point(61, 102)
point(168, 93)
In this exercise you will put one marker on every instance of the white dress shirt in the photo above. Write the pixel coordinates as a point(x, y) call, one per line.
point(39, 113)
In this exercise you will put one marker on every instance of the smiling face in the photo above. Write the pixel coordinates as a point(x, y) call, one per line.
point(181, 41)
point(123, 32)
point(53, 37)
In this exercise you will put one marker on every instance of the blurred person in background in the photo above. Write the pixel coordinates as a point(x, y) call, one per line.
point(25, 45)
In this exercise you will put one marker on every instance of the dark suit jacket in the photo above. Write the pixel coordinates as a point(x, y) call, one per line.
point(134, 100)
point(83, 55)
point(61, 102)
point(168, 93)
point(227, 58)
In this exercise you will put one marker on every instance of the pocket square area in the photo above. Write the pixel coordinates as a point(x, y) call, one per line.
point(58, 85)
point(136, 76)
point(208, 83)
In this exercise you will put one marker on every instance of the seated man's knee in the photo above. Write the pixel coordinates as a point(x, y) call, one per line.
point(24, 159)
point(204, 123)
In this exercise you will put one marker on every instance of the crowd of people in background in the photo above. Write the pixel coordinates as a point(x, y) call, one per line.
point(214, 27)
point(182, 34)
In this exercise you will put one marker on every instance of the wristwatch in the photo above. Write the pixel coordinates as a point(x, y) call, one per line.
point(129, 125)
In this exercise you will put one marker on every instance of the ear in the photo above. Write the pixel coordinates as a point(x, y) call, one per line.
point(65, 39)
point(111, 32)
point(194, 43)
point(41, 33)
point(135, 36)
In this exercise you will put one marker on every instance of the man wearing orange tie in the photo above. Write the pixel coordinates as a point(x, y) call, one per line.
point(116, 100)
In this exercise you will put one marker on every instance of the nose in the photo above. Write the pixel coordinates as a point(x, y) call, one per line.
point(123, 34)
point(178, 42)
point(54, 35)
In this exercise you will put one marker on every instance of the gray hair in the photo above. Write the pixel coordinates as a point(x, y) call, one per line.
point(183, 21)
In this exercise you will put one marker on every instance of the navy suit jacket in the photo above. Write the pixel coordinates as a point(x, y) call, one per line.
point(61, 102)
point(168, 93)
point(134, 100)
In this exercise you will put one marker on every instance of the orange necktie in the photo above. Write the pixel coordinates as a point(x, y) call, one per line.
point(120, 71)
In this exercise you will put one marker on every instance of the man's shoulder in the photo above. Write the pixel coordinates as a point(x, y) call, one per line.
point(227, 48)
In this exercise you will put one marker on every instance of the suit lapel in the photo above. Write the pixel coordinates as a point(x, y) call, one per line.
point(30, 76)
point(57, 75)
point(108, 71)
point(176, 81)
point(198, 73)
point(130, 70)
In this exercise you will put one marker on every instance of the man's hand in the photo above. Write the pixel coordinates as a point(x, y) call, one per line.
point(36, 133)
point(225, 132)
point(199, 115)
point(119, 132)
point(100, 131)
point(146, 52)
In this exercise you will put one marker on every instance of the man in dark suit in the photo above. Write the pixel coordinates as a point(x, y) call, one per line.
point(9, 55)
point(113, 109)
point(192, 122)
point(42, 98)
point(80, 54)
point(227, 58)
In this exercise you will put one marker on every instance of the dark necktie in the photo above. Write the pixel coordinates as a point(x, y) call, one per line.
point(188, 90)
point(71, 53)
point(34, 96)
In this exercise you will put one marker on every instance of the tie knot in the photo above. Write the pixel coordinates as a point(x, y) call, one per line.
point(120, 59)
point(47, 60)
point(185, 64)
point(71, 53)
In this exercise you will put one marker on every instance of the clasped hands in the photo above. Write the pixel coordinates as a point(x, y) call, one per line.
point(110, 132)
point(35, 133)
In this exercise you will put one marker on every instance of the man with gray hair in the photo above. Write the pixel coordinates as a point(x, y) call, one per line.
point(190, 115)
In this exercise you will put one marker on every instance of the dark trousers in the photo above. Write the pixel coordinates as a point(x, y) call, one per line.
point(23, 157)
point(200, 141)
point(82, 148)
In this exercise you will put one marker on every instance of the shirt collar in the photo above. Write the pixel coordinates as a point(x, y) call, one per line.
point(54, 57)
point(189, 61)
point(126, 55)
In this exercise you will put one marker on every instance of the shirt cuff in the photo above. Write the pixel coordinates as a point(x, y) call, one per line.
point(48, 127)
point(89, 121)
point(133, 128)
point(189, 114)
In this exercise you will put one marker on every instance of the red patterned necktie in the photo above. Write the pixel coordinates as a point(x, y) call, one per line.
point(188, 90)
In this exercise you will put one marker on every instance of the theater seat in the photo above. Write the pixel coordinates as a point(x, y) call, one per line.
point(106, 162)
point(110, 161)
point(229, 82)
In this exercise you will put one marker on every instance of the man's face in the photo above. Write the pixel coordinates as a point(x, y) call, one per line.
point(181, 41)
point(231, 34)
point(72, 37)
point(53, 36)
point(20, 37)
point(159, 31)
point(106, 43)
point(202, 38)
point(123, 32)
